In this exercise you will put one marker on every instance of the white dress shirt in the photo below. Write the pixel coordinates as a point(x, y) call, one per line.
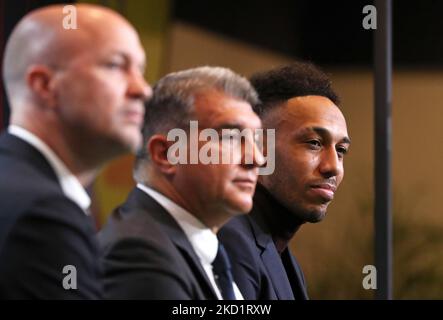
point(71, 187)
point(203, 240)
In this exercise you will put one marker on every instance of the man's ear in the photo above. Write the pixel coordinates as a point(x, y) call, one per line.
point(40, 80)
point(157, 147)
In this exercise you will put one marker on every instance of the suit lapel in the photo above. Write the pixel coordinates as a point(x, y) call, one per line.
point(194, 262)
point(16, 147)
point(177, 236)
point(277, 272)
point(272, 261)
point(296, 276)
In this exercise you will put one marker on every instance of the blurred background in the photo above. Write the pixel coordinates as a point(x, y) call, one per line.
point(249, 36)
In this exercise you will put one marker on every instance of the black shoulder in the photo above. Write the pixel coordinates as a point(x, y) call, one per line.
point(237, 229)
point(22, 185)
point(239, 241)
point(141, 262)
point(51, 234)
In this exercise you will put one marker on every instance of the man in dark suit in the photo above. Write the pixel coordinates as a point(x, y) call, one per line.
point(161, 243)
point(311, 140)
point(76, 98)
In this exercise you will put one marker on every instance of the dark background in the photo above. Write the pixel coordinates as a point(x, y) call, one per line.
point(329, 33)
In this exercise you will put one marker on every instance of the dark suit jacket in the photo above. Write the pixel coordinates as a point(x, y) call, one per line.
point(259, 271)
point(146, 255)
point(41, 230)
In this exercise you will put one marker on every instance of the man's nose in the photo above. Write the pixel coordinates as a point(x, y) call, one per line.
point(330, 163)
point(138, 88)
point(252, 155)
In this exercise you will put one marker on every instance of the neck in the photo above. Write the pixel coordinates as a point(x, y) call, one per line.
point(82, 168)
point(281, 223)
point(213, 218)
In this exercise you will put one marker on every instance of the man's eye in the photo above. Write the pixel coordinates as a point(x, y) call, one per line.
point(342, 150)
point(315, 144)
point(114, 65)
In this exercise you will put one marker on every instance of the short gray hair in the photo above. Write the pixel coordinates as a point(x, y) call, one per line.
point(172, 103)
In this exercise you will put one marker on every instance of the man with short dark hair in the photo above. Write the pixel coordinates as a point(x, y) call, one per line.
point(76, 100)
point(162, 242)
point(311, 140)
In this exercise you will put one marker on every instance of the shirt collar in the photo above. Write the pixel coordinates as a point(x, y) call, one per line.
point(202, 239)
point(70, 185)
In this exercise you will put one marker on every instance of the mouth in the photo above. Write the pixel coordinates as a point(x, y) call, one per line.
point(324, 190)
point(134, 117)
point(245, 184)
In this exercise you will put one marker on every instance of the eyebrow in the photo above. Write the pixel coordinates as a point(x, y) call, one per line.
point(322, 132)
point(127, 58)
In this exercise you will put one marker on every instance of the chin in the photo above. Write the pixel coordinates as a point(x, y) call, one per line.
point(131, 142)
point(316, 218)
point(315, 215)
point(241, 207)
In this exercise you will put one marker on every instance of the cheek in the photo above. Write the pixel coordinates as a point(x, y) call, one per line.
point(92, 99)
point(89, 91)
point(103, 86)
point(108, 93)
point(109, 102)
point(209, 178)
point(192, 179)
point(297, 160)
point(220, 178)
point(341, 176)
point(229, 153)
point(295, 172)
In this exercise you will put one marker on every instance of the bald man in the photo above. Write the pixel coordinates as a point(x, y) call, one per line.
point(76, 100)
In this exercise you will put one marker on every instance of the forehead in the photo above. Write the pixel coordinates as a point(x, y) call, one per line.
point(309, 111)
point(116, 36)
point(214, 108)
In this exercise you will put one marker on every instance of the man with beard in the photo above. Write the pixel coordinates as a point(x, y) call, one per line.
point(310, 143)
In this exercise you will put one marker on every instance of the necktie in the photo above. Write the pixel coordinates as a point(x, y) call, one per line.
point(222, 273)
